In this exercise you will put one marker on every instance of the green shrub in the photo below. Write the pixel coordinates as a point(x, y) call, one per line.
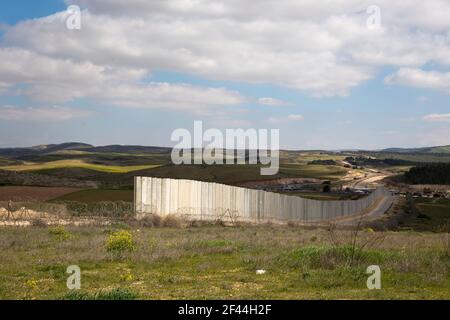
point(116, 294)
point(59, 233)
point(110, 209)
point(324, 257)
point(119, 242)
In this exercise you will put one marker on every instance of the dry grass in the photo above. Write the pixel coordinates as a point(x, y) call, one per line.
point(172, 221)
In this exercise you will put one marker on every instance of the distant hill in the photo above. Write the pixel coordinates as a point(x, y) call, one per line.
point(424, 150)
point(78, 146)
point(43, 149)
point(128, 149)
point(47, 148)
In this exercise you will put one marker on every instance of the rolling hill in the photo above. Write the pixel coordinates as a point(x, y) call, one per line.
point(424, 150)
point(82, 147)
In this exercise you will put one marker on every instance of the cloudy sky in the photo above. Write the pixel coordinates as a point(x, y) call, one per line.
point(326, 73)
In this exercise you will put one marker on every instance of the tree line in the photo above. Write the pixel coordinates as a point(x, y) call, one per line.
point(438, 173)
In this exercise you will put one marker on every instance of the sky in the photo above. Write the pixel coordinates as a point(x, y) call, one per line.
point(332, 74)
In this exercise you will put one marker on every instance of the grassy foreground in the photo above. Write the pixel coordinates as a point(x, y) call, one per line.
point(214, 262)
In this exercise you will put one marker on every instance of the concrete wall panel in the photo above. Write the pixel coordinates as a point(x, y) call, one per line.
point(210, 201)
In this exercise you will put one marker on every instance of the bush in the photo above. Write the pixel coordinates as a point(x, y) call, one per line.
point(120, 242)
point(116, 294)
point(110, 209)
point(60, 233)
point(325, 257)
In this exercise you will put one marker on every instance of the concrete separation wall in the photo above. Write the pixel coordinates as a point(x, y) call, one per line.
point(211, 201)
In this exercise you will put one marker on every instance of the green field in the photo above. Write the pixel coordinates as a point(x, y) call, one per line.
point(213, 262)
point(434, 215)
point(305, 157)
point(313, 171)
point(76, 163)
point(111, 169)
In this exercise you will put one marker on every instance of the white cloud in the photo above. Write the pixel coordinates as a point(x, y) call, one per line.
point(321, 47)
point(295, 117)
point(216, 48)
point(166, 95)
point(291, 117)
point(230, 123)
point(430, 14)
point(267, 101)
point(46, 114)
point(420, 79)
point(437, 117)
point(61, 80)
point(57, 80)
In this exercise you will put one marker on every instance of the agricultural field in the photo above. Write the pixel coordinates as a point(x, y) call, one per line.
point(97, 195)
point(26, 193)
point(129, 261)
point(228, 174)
point(433, 215)
point(314, 171)
point(76, 163)
point(112, 167)
point(304, 157)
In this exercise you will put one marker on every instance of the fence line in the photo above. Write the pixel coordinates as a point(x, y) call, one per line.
point(211, 201)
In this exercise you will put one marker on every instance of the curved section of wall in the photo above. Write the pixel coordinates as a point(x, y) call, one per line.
point(211, 201)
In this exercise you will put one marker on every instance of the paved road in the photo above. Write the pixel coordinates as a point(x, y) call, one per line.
point(381, 208)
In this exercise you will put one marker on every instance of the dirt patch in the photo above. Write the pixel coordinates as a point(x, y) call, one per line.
point(28, 218)
point(23, 193)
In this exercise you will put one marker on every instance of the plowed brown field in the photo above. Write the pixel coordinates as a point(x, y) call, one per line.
point(22, 193)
